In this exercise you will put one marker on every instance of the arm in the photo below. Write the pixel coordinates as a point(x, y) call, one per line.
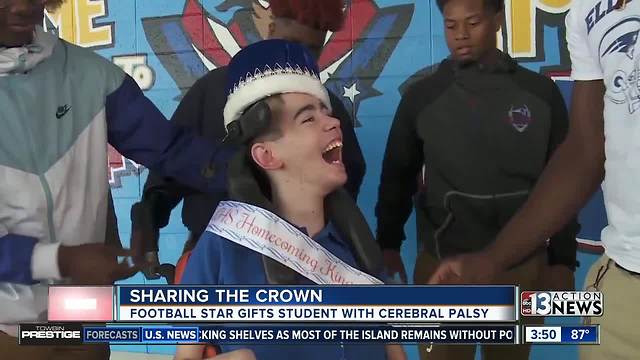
point(16, 252)
point(138, 130)
point(571, 177)
point(112, 236)
point(353, 159)
point(577, 167)
point(402, 161)
point(574, 172)
point(562, 246)
point(162, 194)
point(25, 261)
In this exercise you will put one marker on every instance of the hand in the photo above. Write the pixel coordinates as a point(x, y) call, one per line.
point(242, 354)
point(146, 259)
point(94, 264)
point(476, 268)
point(393, 264)
point(395, 352)
point(144, 239)
point(558, 278)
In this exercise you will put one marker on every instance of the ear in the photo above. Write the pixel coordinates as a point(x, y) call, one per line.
point(262, 154)
point(499, 19)
point(272, 29)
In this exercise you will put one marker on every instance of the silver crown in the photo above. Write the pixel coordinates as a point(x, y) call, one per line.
point(267, 71)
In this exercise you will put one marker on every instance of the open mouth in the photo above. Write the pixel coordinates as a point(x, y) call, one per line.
point(332, 154)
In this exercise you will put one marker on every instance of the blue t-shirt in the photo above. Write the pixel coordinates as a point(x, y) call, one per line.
point(218, 261)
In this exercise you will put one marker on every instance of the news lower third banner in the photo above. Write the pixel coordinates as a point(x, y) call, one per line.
point(279, 304)
point(390, 304)
point(266, 334)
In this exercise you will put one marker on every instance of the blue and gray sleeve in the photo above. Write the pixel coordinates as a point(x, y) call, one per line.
point(22, 259)
point(139, 131)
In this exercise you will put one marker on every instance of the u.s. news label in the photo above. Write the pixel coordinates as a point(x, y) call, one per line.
point(561, 303)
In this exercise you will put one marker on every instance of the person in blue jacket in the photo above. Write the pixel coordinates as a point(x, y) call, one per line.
point(295, 162)
point(60, 105)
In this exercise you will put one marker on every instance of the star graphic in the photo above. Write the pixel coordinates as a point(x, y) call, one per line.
point(351, 92)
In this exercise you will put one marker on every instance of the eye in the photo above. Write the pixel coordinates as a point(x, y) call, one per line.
point(308, 120)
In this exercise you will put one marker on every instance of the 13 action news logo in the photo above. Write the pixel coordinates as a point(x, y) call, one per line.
point(561, 303)
point(50, 334)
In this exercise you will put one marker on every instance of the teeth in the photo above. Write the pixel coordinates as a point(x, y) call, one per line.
point(333, 146)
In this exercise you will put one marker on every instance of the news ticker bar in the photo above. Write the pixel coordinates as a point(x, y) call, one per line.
point(549, 334)
point(77, 334)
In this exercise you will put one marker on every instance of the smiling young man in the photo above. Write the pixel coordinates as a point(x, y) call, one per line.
point(296, 162)
point(306, 22)
point(60, 105)
point(482, 128)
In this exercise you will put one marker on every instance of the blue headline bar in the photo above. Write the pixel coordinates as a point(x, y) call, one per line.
point(352, 295)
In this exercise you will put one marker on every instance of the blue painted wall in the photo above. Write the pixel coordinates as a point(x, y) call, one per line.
point(167, 44)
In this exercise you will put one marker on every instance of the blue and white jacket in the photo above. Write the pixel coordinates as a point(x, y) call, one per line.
point(59, 107)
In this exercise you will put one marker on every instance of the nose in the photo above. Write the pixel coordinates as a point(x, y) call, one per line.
point(25, 7)
point(22, 7)
point(462, 33)
point(331, 123)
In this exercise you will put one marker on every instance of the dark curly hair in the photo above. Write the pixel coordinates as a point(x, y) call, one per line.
point(325, 15)
point(53, 4)
point(493, 5)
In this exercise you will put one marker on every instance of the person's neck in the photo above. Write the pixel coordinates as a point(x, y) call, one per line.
point(300, 207)
point(16, 42)
point(490, 60)
point(490, 57)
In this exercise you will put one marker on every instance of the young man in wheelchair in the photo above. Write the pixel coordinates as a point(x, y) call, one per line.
point(290, 221)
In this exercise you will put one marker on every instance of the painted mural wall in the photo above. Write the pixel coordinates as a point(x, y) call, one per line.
point(165, 45)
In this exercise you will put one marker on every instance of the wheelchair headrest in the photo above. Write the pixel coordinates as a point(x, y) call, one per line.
point(252, 123)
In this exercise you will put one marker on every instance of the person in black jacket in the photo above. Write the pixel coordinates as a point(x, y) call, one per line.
point(303, 21)
point(480, 130)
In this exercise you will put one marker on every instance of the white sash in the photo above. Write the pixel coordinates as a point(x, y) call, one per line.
point(268, 234)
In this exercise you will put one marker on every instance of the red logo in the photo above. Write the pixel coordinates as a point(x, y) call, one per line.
point(526, 302)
